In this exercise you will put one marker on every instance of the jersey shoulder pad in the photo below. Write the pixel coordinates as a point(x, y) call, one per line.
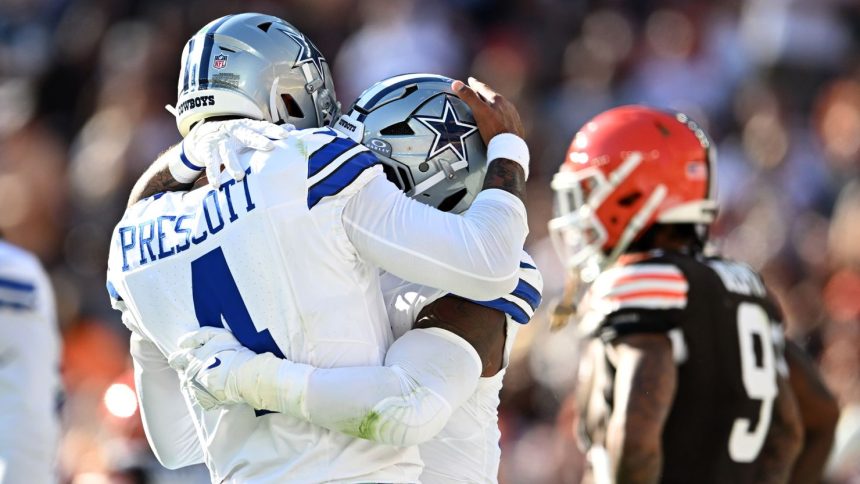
point(642, 297)
point(643, 285)
point(334, 163)
point(521, 304)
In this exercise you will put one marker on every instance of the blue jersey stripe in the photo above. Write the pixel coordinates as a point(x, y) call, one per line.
point(328, 153)
point(208, 43)
point(526, 265)
point(341, 177)
point(507, 307)
point(326, 130)
point(113, 292)
point(15, 305)
point(527, 293)
point(16, 285)
point(524, 292)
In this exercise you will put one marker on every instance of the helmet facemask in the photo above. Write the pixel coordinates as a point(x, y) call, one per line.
point(310, 105)
point(578, 234)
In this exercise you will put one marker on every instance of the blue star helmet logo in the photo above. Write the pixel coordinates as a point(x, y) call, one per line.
point(308, 52)
point(449, 133)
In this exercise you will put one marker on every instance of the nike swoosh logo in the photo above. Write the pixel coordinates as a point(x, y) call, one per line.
point(216, 363)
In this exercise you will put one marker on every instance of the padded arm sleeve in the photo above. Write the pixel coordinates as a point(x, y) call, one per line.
point(166, 417)
point(427, 373)
point(474, 254)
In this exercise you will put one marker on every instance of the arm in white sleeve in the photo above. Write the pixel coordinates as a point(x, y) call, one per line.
point(474, 254)
point(29, 425)
point(166, 417)
point(29, 370)
point(427, 374)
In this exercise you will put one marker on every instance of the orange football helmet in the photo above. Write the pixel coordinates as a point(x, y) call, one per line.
point(627, 169)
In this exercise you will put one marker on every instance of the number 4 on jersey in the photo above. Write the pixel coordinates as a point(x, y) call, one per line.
point(217, 300)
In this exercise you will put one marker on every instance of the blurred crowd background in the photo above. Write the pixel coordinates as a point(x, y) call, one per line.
point(775, 82)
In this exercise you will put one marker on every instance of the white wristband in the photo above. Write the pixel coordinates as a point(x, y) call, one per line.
point(181, 167)
point(510, 147)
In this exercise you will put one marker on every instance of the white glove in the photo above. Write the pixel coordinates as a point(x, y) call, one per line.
point(208, 360)
point(217, 370)
point(212, 144)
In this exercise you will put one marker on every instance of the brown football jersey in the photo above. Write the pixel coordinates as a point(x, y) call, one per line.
point(727, 343)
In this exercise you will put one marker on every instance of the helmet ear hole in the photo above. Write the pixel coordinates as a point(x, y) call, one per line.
point(392, 176)
point(293, 108)
point(451, 201)
point(401, 128)
point(404, 177)
point(629, 199)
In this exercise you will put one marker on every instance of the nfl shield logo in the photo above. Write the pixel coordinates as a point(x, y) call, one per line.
point(220, 61)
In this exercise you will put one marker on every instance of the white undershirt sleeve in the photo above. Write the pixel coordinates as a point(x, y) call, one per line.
point(28, 424)
point(166, 417)
point(29, 371)
point(428, 373)
point(474, 254)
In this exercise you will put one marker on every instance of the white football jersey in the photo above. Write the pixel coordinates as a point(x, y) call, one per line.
point(266, 257)
point(29, 370)
point(467, 449)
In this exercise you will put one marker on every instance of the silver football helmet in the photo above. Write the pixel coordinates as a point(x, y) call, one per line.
point(255, 66)
point(425, 137)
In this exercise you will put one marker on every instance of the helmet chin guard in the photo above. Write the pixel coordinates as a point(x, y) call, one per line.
point(579, 236)
point(193, 107)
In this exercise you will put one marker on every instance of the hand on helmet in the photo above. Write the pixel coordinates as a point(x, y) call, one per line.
point(216, 143)
point(493, 113)
point(208, 361)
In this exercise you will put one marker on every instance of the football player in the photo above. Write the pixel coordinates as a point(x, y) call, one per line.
point(29, 370)
point(402, 119)
point(685, 378)
point(286, 255)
